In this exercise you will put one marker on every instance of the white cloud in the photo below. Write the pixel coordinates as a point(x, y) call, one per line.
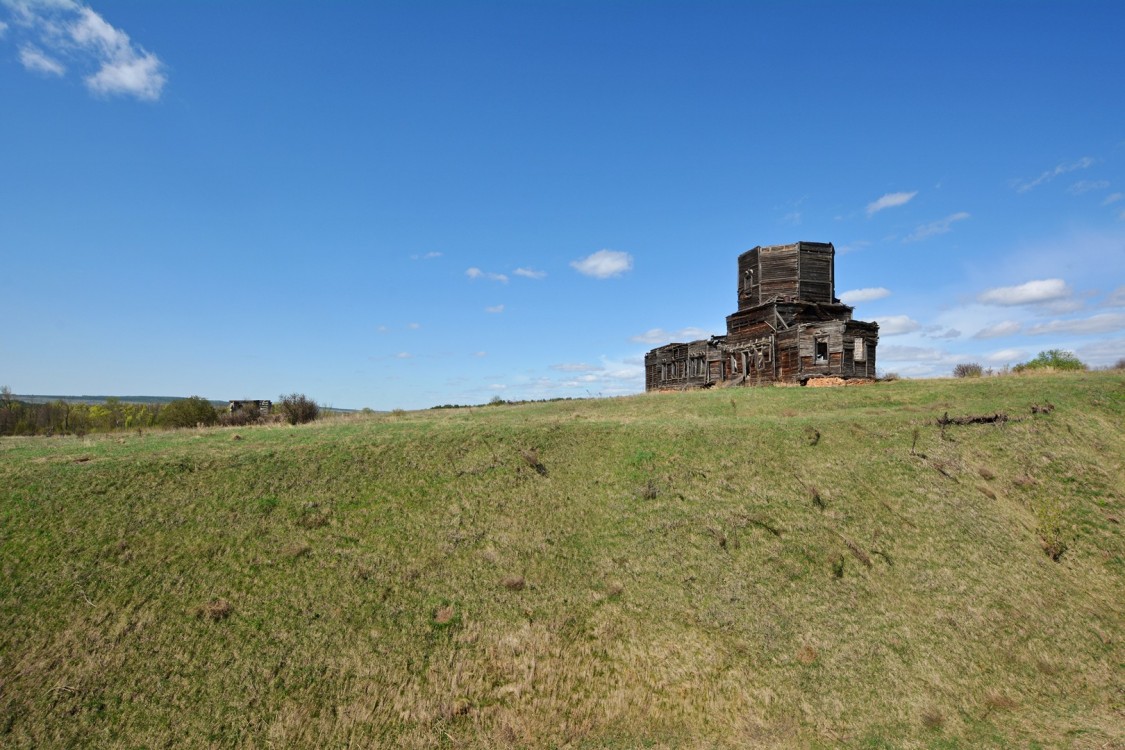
point(382, 329)
point(793, 217)
point(426, 256)
point(890, 200)
point(1102, 352)
point(3, 28)
point(71, 30)
point(494, 309)
point(898, 353)
point(414, 326)
point(937, 332)
point(403, 355)
point(895, 325)
point(934, 228)
point(1024, 186)
point(660, 336)
point(476, 273)
point(997, 330)
point(1100, 323)
point(1007, 356)
point(33, 59)
point(867, 294)
point(604, 264)
point(530, 273)
point(1085, 186)
point(575, 367)
point(852, 247)
point(1030, 293)
point(1113, 198)
point(1116, 298)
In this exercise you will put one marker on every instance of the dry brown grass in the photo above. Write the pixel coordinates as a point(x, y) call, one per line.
point(216, 609)
point(513, 583)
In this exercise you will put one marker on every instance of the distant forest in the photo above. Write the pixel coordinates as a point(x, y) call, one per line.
point(32, 416)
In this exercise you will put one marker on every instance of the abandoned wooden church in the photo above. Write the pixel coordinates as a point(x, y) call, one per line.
point(789, 328)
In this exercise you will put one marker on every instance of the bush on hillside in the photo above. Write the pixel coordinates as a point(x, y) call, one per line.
point(188, 412)
point(968, 370)
point(1052, 359)
point(297, 408)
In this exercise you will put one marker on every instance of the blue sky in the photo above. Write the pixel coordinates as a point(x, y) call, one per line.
point(407, 204)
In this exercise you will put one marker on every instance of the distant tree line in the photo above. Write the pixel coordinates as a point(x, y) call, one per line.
point(61, 417)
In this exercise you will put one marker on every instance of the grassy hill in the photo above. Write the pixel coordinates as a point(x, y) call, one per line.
point(777, 567)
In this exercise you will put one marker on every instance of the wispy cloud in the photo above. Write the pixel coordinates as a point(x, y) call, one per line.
point(426, 256)
point(1023, 186)
point(868, 294)
point(604, 264)
point(660, 336)
point(896, 325)
point(576, 367)
point(404, 355)
point(56, 30)
point(890, 200)
point(998, 330)
point(1030, 293)
point(937, 332)
point(494, 309)
point(530, 273)
point(1100, 323)
point(1007, 356)
point(1116, 298)
point(35, 60)
point(1112, 198)
point(934, 228)
point(1085, 186)
point(476, 273)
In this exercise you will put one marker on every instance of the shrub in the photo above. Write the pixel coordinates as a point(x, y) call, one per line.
point(298, 408)
point(968, 370)
point(1119, 364)
point(188, 412)
point(1052, 359)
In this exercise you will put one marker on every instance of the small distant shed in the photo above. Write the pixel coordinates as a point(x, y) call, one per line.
point(261, 405)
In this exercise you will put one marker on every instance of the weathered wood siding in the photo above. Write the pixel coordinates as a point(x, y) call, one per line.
point(816, 270)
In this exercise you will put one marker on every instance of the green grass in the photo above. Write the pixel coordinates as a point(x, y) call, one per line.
point(778, 567)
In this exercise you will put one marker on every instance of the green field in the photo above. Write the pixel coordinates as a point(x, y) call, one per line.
point(775, 567)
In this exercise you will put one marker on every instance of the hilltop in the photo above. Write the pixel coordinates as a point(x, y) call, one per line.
point(772, 567)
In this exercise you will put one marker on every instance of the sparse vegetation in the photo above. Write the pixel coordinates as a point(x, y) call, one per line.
point(968, 370)
point(188, 412)
point(415, 582)
point(1052, 359)
point(297, 408)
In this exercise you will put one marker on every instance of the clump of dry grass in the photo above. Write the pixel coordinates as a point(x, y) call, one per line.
point(296, 549)
point(444, 615)
point(615, 588)
point(214, 610)
point(313, 519)
point(986, 473)
point(994, 700)
point(933, 718)
point(513, 583)
point(650, 491)
point(531, 458)
point(807, 655)
point(987, 492)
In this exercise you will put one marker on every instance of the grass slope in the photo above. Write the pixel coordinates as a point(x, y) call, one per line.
point(744, 567)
